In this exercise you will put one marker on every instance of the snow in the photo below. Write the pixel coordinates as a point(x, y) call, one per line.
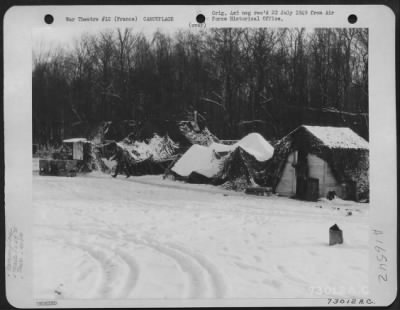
point(145, 237)
point(256, 145)
point(35, 164)
point(203, 137)
point(220, 148)
point(198, 158)
point(74, 140)
point(110, 164)
point(202, 159)
point(157, 147)
point(338, 137)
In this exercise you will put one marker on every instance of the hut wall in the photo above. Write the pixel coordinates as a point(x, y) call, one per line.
point(319, 169)
point(77, 150)
point(287, 182)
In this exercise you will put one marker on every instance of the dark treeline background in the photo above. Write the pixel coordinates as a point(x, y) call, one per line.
point(239, 80)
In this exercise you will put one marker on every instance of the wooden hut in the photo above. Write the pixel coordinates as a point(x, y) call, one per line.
point(77, 147)
point(315, 161)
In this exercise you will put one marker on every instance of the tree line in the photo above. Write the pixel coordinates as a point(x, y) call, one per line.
point(237, 79)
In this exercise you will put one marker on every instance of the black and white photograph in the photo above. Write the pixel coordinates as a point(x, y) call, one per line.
point(200, 164)
point(200, 156)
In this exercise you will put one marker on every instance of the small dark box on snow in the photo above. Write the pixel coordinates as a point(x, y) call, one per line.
point(335, 235)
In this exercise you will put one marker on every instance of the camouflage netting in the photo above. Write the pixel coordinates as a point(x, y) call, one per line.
point(94, 158)
point(347, 164)
point(240, 170)
point(149, 157)
point(196, 135)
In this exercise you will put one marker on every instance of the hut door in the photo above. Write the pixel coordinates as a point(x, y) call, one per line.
point(77, 151)
point(301, 174)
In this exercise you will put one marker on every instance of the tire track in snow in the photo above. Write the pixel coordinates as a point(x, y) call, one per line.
point(106, 259)
point(195, 280)
point(99, 267)
point(205, 281)
point(99, 255)
point(100, 283)
point(134, 272)
point(112, 265)
point(203, 278)
point(216, 280)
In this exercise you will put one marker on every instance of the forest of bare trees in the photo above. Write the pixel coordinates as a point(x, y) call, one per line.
point(238, 79)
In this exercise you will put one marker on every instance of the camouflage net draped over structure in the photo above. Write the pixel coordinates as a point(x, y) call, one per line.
point(197, 136)
point(151, 157)
point(347, 164)
point(241, 170)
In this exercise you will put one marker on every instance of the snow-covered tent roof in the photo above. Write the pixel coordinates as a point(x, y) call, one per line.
point(204, 160)
point(254, 144)
point(200, 159)
point(338, 137)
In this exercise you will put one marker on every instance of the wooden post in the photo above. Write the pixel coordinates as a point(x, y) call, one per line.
point(335, 235)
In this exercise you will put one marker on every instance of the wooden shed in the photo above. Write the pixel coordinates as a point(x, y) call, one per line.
point(321, 160)
point(77, 147)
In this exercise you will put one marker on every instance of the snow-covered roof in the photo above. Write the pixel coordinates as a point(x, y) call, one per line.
point(73, 140)
point(203, 160)
point(338, 137)
point(256, 145)
point(200, 159)
point(253, 143)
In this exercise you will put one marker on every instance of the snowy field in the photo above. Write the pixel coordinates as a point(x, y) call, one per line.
point(145, 237)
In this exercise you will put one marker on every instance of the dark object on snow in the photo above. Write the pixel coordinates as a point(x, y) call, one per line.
point(349, 213)
point(349, 190)
point(259, 191)
point(335, 235)
point(122, 163)
point(66, 168)
point(197, 178)
point(312, 189)
point(331, 195)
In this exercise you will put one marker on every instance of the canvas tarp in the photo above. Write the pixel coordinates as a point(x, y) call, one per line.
point(146, 157)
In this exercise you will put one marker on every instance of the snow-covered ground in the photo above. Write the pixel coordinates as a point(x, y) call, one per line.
point(145, 237)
